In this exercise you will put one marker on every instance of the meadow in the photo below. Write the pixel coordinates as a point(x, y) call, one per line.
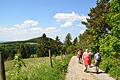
point(39, 69)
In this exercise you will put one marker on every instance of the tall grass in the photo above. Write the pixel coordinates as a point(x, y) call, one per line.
point(39, 69)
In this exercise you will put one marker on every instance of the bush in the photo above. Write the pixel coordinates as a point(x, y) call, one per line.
point(115, 72)
point(111, 66)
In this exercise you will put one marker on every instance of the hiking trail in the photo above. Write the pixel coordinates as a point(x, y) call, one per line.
point(76, 72)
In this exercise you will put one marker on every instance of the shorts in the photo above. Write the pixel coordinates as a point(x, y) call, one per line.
point(97, 63)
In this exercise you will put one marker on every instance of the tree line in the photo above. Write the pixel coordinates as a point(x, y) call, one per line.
point(38, 47)
point(103, 34)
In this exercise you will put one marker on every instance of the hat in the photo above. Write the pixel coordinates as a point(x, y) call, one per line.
point(86, 50)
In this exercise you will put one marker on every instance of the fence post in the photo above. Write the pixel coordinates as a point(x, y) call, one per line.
point(2, 68)
point(50, 58)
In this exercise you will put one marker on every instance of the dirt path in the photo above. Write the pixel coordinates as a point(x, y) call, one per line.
point(75, 72)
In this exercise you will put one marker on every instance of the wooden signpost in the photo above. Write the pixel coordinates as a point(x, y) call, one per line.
point(50, 58)
point(2, 68)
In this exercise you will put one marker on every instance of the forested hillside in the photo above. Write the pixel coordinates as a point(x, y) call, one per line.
point(37, 47)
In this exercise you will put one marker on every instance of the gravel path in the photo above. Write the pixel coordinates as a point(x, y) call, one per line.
point(76, 72)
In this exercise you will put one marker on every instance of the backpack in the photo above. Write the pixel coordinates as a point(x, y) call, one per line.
point(98, 57)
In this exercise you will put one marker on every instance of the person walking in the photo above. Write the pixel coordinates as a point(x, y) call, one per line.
point(86, 60)
point(97, 59)
point(79, 55)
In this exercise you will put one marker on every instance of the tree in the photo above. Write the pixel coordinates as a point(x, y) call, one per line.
point(110, 45)
point(97, 26)
point(75, 41)
point(45, 44)
point(86, 40)
point(114, 18)
point(68, 39)
point(57, 39)
point(42, 48)
point(112, 40)
point(44, 36)
point(57, 45)
point(25, 50)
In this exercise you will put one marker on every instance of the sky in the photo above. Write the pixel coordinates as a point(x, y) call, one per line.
point(26, 19)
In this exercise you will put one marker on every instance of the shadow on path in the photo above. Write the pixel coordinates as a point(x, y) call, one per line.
point(76, 72)
point(95, 72)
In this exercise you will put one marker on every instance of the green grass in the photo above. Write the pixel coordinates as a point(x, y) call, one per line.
point(30, 62)
point(39, 69)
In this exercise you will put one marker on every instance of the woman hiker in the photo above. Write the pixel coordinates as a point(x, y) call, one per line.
point(86, 60)
point(79, 55)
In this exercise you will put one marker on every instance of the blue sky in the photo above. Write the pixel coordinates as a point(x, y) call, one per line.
point(25, 19)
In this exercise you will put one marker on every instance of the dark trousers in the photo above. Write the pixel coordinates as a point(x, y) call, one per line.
point(97, 63)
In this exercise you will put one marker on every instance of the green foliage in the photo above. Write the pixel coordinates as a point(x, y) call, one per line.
point(110, 46)
point(25, 50)
point(97, 26)
point(114, 71)
point(10, 50)
point(37, 46)
point(68, 39)
point(86, 40)
point(71, 50)
point(43, 36)
point(60, 66)
point(115, 6)
point(75, 41)
point(111, 66)
point(39, 69)
point(103, 34)
point(18, 63)
point(45, 44)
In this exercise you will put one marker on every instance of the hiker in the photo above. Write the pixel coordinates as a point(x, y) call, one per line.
point(97, 59)
point(86, 60)
point(79, 55)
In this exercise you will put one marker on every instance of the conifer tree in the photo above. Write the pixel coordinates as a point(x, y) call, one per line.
point(68, 39)
point(97, 26)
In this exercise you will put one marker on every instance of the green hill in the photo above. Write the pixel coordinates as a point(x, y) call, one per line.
point(33, 40)
point(29, 48)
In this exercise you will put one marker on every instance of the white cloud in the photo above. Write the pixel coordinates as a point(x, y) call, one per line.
point(69, 18)
point(28, 29)
point(81, 25)
point(50, 30)
point(36, 29)
point(83, 18)
point(68, 24)
point(27, 24)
